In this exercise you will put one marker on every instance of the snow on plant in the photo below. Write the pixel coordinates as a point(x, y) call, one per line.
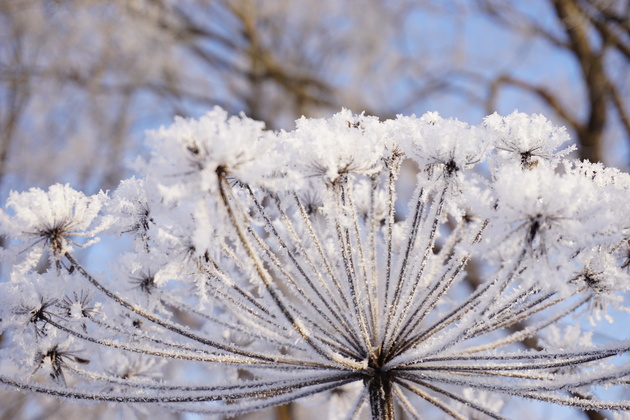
point(267, 267)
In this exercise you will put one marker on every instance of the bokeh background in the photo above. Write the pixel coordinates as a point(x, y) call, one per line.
point(81, 80)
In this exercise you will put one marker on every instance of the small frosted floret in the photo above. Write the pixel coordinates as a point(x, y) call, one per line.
point(547, 212)
point(340, 145)
point(130, 208)
point(132, 367)
point(189, 156)
point(605, 281)
point(527, 139)
point(52, 220)
point(57, 358)
point(438, 144)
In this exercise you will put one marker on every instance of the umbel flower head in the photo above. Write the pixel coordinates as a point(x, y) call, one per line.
point(269, 267)
point(55, 220)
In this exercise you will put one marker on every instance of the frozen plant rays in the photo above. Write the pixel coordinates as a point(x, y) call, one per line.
point(276, 264)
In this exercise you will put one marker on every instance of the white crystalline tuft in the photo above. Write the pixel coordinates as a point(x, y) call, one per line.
point(527, 139)
point(53, 221)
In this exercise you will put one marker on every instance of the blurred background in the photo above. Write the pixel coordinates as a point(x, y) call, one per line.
point(81, 80)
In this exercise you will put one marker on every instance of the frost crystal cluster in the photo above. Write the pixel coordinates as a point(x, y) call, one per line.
point(265, 267)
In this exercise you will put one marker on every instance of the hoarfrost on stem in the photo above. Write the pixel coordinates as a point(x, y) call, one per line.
point(277, 262)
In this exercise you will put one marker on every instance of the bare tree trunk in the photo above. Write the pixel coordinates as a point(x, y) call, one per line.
point(590, 133)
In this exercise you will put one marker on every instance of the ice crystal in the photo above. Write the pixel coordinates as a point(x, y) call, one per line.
point(268, 267)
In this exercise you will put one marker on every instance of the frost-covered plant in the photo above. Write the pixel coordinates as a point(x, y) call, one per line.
point(266, 267)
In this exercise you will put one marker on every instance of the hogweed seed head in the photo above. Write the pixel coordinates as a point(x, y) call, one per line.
point(284, 265)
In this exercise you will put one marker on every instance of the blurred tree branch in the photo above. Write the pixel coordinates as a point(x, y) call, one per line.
point(593, 33)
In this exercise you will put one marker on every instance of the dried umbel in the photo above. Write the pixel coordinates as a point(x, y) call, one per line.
point(267, 267)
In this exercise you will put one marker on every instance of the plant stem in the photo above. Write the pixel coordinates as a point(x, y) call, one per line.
point(381, 399)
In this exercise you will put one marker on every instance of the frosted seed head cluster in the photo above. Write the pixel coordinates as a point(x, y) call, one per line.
point(56, 221)
point(328, 149)
point(268, 267)
point(527, 140)
point(440, 145)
